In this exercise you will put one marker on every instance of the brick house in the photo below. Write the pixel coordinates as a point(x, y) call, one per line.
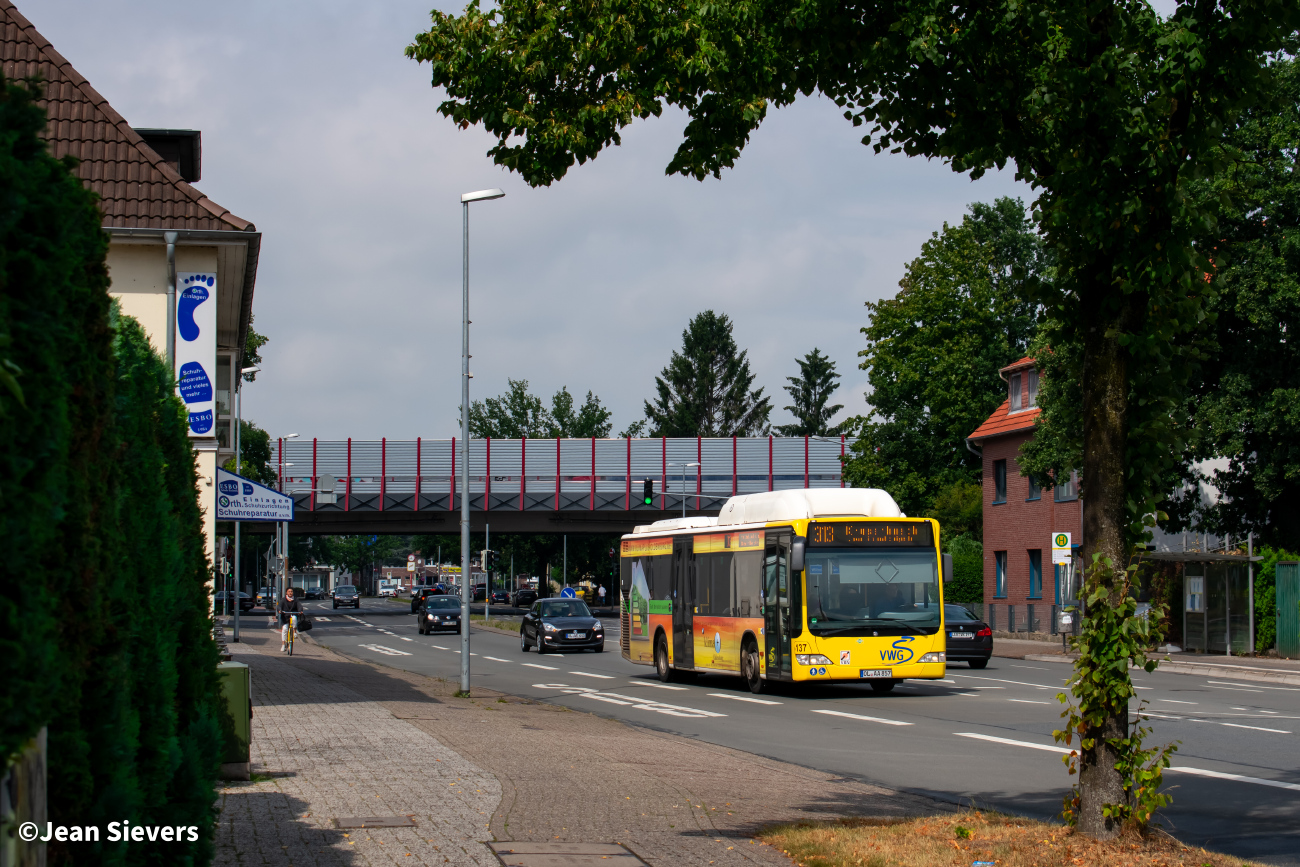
point(1022, 589)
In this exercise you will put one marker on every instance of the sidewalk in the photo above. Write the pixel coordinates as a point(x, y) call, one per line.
point(336, 738)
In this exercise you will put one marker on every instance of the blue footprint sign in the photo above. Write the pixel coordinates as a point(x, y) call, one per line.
point(196, 348)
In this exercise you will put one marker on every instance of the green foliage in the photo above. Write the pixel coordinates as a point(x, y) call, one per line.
point(104, 632)
point(1266, 595)
point(252, 350)
point(519, 413)
point(934, 351)
point(354, 553)
point(967, 583)
point(1112, 639)
point(254, 454)
point(810, 391)
point(705, 389)
point(959, 508)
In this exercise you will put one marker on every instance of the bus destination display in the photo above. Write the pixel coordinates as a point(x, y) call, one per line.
point(907, 534)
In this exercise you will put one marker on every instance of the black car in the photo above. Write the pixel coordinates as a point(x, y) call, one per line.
point(561, 624)
point(500, 597)
point(479, 593)
point(314, 593)
point(437, 613)
point(523, 598)
point(245, 601)
point(346, 594)
point(970, 639)
point(420, 593)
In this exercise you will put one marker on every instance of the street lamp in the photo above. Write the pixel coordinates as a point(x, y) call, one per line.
point(479, 196)
point(239, 466)
point(282, 537)
point(684, 466)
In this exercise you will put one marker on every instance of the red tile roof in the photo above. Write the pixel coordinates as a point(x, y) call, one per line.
point(1027, 361)
point(1004, 422)
point(136, 187)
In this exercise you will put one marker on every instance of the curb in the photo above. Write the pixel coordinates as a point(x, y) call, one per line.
point(1240, 672)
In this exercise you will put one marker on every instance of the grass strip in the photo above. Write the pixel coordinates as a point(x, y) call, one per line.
point(507, 625)
point(972, 837)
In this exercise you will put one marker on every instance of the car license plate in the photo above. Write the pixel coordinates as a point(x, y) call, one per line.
point(961, 634)
point(574, 635)
point(875, 672)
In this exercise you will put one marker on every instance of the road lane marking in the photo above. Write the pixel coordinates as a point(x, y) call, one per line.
point(322, 620)
point(742, 698)
point(1254, 685)
point(632, 701)
point(658, 685)
point(386, 651)
point(1031, 745)
point(1235, 689)
point(1027, 701)
point(439, 647)
point(404, 638)
point(589, 674)
point(1219, 775)
point(1034, 667)
point(986, 687)
point(888, 722)
point(535, 665)
point(495, 659)
point(1001, 680)
point(1176, 701)
point(1255, 728)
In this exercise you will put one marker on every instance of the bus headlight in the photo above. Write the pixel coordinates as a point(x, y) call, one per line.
point(941, 656)
point(812, 659)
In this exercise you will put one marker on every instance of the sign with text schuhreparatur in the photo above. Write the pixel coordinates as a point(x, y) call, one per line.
point(241, 499)
point(196, 349)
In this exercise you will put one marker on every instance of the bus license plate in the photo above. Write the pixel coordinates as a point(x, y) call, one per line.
point(875, 672)
point(961, 635)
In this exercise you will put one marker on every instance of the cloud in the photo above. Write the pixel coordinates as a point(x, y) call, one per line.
point(316, 128)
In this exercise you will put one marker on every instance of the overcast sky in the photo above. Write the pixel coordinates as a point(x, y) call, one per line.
point(319, 130)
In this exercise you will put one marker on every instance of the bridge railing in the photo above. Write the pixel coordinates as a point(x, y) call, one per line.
point(558, 474)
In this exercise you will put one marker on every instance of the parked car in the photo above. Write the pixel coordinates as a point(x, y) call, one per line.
point(500, 597)
point(437, 613)
point(314, 593)
point(561, 624)
point(419, 595)
point(266, 597)
point(346, 594)
point(970, 639)
point(388, 591)
point(479, 593)
point(523, 598)
point(245, 601)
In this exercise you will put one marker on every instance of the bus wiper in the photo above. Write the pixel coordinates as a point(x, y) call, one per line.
point(895, 621)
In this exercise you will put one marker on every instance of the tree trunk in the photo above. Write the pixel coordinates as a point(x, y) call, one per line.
point(1105, 428)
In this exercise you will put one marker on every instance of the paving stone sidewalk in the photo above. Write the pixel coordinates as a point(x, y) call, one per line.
point(321, 751)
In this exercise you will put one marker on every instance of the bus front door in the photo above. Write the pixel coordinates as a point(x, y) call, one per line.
point(683, 604)
point(776, 607)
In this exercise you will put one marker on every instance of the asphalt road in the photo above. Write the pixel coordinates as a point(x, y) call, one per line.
point(983, 737)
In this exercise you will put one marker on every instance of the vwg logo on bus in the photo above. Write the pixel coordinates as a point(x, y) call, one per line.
point(899, 651)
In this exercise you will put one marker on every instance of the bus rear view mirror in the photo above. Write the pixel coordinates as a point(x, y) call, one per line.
point(947, 568)
point(796, 555)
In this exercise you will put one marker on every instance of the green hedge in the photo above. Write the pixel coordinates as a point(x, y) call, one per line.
point(967, 570)
point(104, 632)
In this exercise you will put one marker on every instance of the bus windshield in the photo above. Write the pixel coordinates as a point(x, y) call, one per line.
point(852, 588)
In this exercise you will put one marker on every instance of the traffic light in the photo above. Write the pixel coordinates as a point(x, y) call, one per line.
point(491, 560)
point(648, 492)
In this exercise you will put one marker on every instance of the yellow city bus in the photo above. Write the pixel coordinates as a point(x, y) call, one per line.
point(823, 584)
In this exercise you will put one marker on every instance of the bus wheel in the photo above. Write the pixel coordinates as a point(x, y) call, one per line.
point(661, 661)
point(749, 667)
point(883, 686)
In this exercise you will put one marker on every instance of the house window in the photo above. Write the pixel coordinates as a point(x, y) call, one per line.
point(1036, 574)
point(1000, 579)
point(1000, 481)
point(1035, 490)
point(1013, 386)
point(1033, 388)
point(1068, 489)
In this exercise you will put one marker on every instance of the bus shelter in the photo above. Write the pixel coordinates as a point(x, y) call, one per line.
point(1217, 600)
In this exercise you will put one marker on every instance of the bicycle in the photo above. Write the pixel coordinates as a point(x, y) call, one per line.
point(288, 636)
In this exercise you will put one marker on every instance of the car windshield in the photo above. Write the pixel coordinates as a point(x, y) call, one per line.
point(565, 608)
point(857, 587)
point(442, 602)
point(345, 588)
point(957, 612)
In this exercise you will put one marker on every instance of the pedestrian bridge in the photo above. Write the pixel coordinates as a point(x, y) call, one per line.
point(537, 485)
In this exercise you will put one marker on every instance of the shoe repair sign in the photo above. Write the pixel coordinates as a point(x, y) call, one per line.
point(196, 349)
point(241, 499)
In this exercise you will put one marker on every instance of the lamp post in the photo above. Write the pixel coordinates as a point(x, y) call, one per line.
point(479, 196)
point(684, 466)
point(239, 425)
point(282, 536)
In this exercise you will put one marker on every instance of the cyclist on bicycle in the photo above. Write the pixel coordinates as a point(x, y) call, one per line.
point(288, 607)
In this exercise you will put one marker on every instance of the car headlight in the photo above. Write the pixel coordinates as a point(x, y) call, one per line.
point(940, 656)
point(597, 628)
point(433, 617)
point(548, 627)
point(812, 659)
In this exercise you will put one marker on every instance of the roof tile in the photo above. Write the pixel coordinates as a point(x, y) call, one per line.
point(136, 187)
point(1003, 421)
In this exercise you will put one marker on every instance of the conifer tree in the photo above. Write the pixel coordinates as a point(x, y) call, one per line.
point(810, 391)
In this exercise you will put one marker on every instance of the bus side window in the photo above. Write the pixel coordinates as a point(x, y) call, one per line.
point(748, 569)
